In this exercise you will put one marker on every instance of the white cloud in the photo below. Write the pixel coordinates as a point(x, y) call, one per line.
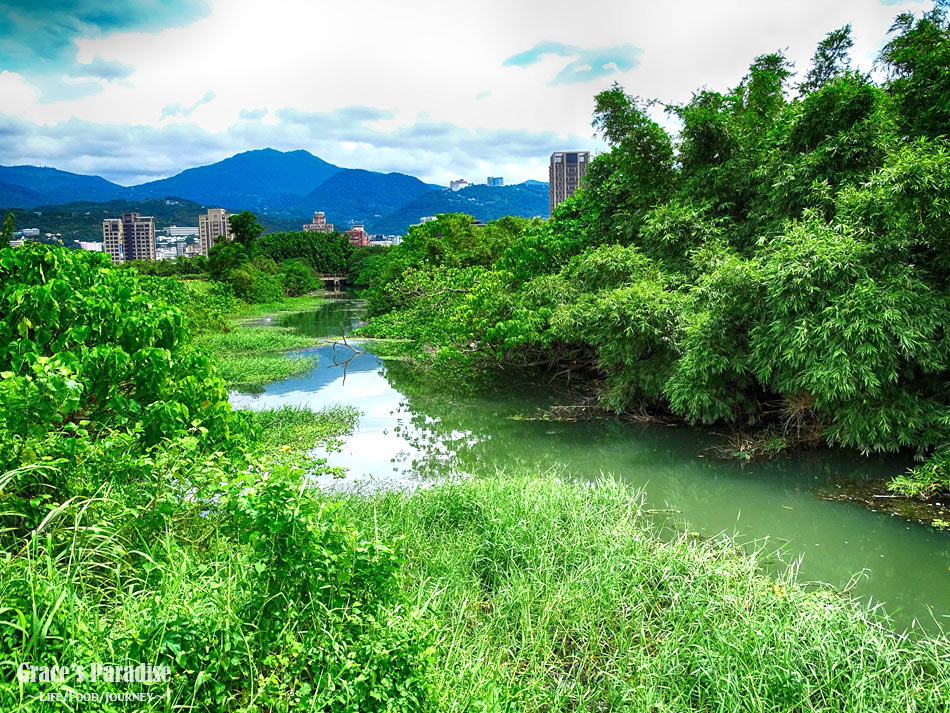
point(436, 98)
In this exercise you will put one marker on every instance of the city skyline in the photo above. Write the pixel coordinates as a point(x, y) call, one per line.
point(488, 89)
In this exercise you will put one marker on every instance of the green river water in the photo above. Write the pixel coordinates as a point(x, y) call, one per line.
point(413, 433)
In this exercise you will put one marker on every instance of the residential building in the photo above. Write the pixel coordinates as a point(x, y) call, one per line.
point(357, 236)
point(113, 239)
point(426, 219)
point(212, 226)
point(564, 175)
point(459, 184)
point(319, 224)
point(17, 243)
point(139, 233)
point(26, 232)
point(495, 181)
point(91, 246)
point(131, 237)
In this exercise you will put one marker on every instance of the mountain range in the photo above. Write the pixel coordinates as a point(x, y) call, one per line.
point(284, 188)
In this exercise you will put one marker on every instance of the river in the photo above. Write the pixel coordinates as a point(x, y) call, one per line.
point(411, 432)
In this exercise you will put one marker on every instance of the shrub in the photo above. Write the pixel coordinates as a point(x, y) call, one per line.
point(296, 278)
point(252, 284)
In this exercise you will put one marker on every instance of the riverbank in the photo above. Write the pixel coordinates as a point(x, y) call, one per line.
point(544, 595)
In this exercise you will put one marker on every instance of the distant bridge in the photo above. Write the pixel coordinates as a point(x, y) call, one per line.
point(334, 281)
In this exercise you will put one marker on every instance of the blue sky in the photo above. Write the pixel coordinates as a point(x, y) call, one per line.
point(140, 89)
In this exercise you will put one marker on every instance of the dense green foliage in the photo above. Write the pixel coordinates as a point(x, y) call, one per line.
point(142, 520)
point(261, 269)
point(244, 228)
point(322, 252)
point(781, 262)
point(193, 266)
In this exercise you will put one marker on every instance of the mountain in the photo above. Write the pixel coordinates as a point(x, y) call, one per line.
point(11, 194)
point(282, 188)
point(362, 196)
point(29, 186)
point(485, 203)
point(262, 180)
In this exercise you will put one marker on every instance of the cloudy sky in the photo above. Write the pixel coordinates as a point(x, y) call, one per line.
point(139, 89)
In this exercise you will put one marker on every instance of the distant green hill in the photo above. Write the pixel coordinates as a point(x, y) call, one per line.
point(29, 186)
point(362, 196)
point(82, 220)
point(263, 181)
point(526, 200)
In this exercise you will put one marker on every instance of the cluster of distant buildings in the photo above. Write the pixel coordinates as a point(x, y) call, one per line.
point(132, 237)
point(357, 235)
point(461, 183)
point(565, 172)
point(20, 236)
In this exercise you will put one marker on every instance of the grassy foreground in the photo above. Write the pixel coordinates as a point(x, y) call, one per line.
point(541, 595)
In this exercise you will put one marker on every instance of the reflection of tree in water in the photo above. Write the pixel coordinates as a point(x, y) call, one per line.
point(449, 420)
point(491, 417)
point(327, 320)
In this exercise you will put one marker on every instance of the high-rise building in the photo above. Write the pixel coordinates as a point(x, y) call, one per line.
point(131, 237)
point(212, 226)
point(139, 236)
point(113, 239)
point(319, 224)
point(495, 181)
point(564, 175)
point(358, 237)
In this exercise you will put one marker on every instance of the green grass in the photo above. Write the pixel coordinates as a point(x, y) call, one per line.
point(547, 596)
point(249, 357)
point(288, 433)
point(126, 570)
point(287, 305)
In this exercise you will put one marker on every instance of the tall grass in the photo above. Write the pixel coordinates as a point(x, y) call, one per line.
point(548, 596)
point(258, 595)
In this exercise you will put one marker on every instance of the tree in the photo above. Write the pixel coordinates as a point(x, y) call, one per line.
point(831, 59)
point(6, 233)
point(918, 59)
point(224, 259)
point(245, 228)
point(779, 263)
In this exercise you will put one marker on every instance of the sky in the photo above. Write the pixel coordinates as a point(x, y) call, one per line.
point(134, 90)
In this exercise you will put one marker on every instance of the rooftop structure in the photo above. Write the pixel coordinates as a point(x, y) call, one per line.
point(319, 224)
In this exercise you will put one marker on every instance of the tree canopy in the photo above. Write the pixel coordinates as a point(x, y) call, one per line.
point(779, 264)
